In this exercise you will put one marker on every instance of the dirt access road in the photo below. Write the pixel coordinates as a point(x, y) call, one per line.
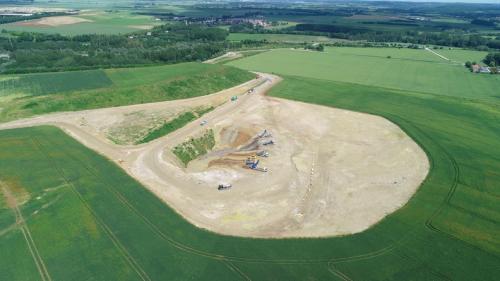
point(330, 171)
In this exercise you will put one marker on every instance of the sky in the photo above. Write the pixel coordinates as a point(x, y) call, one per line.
point(453, 1)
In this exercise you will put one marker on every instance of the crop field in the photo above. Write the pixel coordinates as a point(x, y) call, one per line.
point(50, 92)
point(107, 227)
point(402, 69)
point(96, 22)
point(53, 83)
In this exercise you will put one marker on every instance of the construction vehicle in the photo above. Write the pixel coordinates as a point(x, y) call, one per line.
point(224, 186)
point(263, 153)
point(270, 142)
point(264, 134)
point(252, 163)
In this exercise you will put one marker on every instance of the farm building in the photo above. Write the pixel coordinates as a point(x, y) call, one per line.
point(484, 69)
point(476, 68)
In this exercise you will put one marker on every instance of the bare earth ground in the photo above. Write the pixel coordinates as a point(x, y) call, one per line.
point(141, 27)
point(53, 21)
point(331, 171)
point(228, 55)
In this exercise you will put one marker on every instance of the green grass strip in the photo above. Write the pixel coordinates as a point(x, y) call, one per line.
point(177, 123)
point(168, 127)
point(195, 147)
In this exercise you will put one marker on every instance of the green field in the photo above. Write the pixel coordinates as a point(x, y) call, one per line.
point(89, 220)
point(100, 22)
point(413, 70)
point(29, 94)
point(53, 83)
point(288, 38)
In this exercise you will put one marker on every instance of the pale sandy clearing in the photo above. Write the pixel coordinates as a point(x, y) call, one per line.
point(226, 56)
point(141, 27)
point(331, 171)
point(53, 21)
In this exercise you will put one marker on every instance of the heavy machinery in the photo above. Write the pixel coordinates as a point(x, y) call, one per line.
point(269, 142)
point(253, 163)
point(252, 160)
point(224, 186)
point(263, 153)
point(264, 134)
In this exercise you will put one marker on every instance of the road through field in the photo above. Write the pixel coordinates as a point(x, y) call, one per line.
point(331, 171)
point(439, 55)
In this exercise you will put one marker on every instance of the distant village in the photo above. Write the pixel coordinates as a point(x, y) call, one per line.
point(213, 21)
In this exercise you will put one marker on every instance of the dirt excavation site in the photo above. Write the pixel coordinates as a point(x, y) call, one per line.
point(285, 169)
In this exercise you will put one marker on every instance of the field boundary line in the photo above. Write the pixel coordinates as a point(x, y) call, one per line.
point(447, 200)
point(333, 270)
point(119, 246)
point(425, 265)
point(35, 254)
point(8, 229)
point(235, 269)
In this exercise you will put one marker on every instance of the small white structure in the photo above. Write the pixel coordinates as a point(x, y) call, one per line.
point(484, 69)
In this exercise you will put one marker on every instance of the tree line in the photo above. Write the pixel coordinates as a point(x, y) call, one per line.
point(33, 52)
point(443, 38)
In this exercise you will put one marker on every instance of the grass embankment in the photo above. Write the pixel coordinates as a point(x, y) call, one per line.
point(195, 147)
point(31, 94)
point(174, 124)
